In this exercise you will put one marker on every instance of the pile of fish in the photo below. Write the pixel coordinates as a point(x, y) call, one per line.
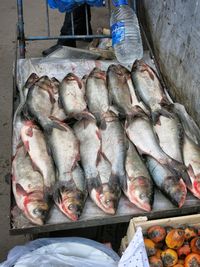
point(105, 133)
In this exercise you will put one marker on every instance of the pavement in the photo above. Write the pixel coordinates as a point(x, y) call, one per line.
point(34, 22)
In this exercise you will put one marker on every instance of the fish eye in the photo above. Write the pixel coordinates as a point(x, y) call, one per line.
point(71, 207)
point(107, 201)
point(142, 196)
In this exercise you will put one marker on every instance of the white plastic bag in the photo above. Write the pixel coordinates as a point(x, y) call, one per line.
point(66, 252)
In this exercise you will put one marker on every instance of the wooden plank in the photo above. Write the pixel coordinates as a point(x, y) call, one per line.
point(93, 216)
point(174, 221)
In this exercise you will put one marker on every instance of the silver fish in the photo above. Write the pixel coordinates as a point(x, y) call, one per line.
point(138, 186)
point(35, 145)
point(39, 102)
point(57, 112)
point(191, 158)
point(170, 134)
point(190, 127)
point(72, 97)
point(28, 188)
point(97, 168)
point(170, 185)
point(114, 145)
point(107, 197)
point(119, 94)
point(140, 132)
point(97, 95)
point(148, 88)
point(70, 182)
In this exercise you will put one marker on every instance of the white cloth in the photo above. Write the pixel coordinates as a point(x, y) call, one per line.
point(135, 255)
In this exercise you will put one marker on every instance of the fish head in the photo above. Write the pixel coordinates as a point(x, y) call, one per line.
point(119, 72)
point(71, 203)
point(140, 191)
point(36, 211)
point(98, 74)
point(108, 198)
point(71, 77)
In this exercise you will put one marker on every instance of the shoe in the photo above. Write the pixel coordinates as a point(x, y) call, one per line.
point(50, 50)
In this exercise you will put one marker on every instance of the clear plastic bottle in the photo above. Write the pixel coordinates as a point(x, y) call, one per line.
point(126, 37)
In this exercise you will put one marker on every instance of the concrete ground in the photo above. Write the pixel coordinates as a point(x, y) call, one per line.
point(34, 18)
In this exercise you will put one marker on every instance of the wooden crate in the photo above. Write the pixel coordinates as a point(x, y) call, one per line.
point(144, 223)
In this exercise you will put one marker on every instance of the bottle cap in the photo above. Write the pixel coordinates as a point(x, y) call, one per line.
point(120, 2)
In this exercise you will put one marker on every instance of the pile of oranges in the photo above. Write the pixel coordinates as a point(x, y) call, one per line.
point(178, 247)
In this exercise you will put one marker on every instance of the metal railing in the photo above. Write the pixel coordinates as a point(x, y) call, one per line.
point(22, 38)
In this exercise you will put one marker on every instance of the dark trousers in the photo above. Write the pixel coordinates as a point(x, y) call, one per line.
point(79, 25)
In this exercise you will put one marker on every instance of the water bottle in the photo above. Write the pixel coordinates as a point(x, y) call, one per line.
point(126, 37)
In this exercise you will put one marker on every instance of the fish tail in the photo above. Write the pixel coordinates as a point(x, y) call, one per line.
point(161, 111)
point(94, 183)
point(84, 115)
point(177, 168)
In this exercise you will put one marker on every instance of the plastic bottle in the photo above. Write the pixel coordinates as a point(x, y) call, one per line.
point(126, 37)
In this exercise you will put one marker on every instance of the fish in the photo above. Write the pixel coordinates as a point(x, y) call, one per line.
point(119, 94)
point(100, 186)
point(69, 194)
point(190, 127)
point(169, 131)
point(172, 186)
point(138, 185)
point(148, 88)
point(140, 131)
point(57, 111)
point(108, 194)
point(97, 95)
point(191, 158)
point(30, 81)
point(135, 101)
point(35, 144)
point(39, 103)
point(28, 188)
point(72, 97)
point(114, 145)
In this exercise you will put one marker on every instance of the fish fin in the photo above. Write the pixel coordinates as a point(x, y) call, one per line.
point(98, 159)
point(165, 103)
point(98, 133)
point(26, 145)
point(55, 123)
point(94, 183)
point(123, 182)
point(101, 122)
point(178, 168)
point(60, 104)
point(191, 172)
point(57, 196)
point(84, 115)
point(20, 190)
point(156, 114)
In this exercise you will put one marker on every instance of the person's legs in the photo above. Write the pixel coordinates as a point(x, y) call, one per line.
point(79, 28)
point(79, 25)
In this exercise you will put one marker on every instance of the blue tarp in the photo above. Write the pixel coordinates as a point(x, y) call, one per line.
point(68, 5)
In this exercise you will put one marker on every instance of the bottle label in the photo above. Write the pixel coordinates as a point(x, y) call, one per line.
point(119, 2)
point(118, 32)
